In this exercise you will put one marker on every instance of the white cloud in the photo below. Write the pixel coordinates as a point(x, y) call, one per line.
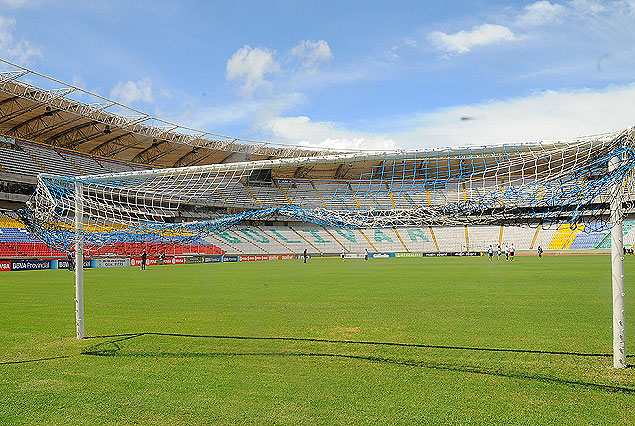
point(256, 111)
point(131, 91)
point(463, 41)
point(15, 3)
point(22, 51)
point(541, 13)
point(542, 116)
point(547, 115)
point(77, 81)
point(311, 53)
point(301, 130)
point(411, 43)
point(393, 54)
point(587, 7)
point(249, 66)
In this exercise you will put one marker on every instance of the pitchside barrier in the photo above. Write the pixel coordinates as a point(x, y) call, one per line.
point(44, 264)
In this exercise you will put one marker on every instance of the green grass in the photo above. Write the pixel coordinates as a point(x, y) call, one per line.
point(279, 343)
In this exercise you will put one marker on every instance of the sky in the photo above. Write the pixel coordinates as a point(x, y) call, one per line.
point(344, 74)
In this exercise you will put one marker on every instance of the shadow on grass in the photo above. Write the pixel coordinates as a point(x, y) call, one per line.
point(126, 336)
point(111, 348)
point(24, 361)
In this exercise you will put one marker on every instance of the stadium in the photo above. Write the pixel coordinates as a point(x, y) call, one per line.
point(407, 288)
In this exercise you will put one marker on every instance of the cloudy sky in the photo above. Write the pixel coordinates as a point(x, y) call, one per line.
point(345, 74)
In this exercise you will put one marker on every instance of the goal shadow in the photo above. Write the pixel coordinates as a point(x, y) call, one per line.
point(113, 348)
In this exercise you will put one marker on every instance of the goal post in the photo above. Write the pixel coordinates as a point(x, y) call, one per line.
point(79, 260)
point(617, 271)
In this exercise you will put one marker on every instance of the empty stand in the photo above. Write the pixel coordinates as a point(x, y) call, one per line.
point(520, 237)
point(30, 158)
point(52, 160)
point(86, 164)
point(450, 238)
point(16, 161)
point(481, 237)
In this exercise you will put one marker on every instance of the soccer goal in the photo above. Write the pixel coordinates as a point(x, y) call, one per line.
point(583, 181)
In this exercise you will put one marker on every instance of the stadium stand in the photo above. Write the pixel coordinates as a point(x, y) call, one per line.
point(482, 236)
point(587, 241)
point(520, 237)
point(545, 235)
point(50, 160)
point(16, 160)
point(16, 241)
point(31, 158)
point(450, 238)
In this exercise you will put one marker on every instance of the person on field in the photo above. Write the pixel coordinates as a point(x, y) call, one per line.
point(366, 254)
point(499, 251)
point(305, 255)
point(144, 257)
point(539, 252)
point(490, 252)
point(342, 255)
point(512, 251)
point(506, 253)
point(71, 265)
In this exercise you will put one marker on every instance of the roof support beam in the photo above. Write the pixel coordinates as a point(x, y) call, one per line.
point(66, 134)
point(191, 158)
point(32, 123)
point(150, 151)
point(53, 128)
point(11, 99)
point(106, 149)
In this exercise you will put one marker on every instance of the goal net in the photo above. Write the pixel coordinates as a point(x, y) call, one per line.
point(531, 183)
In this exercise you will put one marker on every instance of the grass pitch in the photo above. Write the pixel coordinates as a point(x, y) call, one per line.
point(395, 341)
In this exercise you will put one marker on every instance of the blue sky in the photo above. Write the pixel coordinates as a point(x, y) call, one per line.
point(345, 74)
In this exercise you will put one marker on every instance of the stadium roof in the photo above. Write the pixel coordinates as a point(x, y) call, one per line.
point(67, 116)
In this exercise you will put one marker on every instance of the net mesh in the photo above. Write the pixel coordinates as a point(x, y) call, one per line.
point(546, 183)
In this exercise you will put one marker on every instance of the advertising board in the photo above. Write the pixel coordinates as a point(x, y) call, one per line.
point(452, 253)
point(136, 261)
point(381, 255)
point(30, 265)
point(411, 254)
point(215, 258)
point(116, 262)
